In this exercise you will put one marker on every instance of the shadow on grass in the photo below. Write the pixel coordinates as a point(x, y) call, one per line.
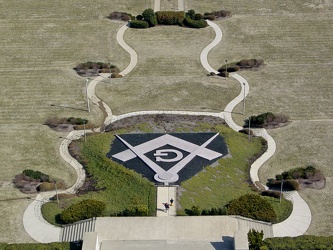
point(67, 107)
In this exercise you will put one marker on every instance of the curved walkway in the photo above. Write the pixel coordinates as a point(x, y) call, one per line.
point(297, 223)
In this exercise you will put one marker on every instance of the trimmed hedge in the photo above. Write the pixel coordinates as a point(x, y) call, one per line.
point(304, 242)
point(138, 24)
point(193, 23)
point(140, 210)
point(252, 206)
point(82, 210)
point(170, 17)
point(274, 194)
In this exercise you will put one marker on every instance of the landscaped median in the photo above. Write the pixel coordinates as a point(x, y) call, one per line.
point(126, 193)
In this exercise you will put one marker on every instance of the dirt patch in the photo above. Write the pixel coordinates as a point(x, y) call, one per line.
point(166, 123)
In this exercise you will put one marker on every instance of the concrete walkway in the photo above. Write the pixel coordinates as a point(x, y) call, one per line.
point(42, 231)
point(164, 195)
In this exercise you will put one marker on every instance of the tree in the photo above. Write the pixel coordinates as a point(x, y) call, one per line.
point(150, 17)
point(255, 239)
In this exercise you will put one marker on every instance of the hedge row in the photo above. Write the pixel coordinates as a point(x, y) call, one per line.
point(170, 17)
point(82, 210)
point(140, 210)
point(138, 24)
point(304, 242)
point(193, 23)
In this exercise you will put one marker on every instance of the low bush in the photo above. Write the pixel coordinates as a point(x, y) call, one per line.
point(246, 131)
point(255, 239)
point(123, 16)
point(229, 68)
point(250, 63)
point(287, 184)
point(150, 17)
point(170, 17)
point(139, 24)
point(209, 17)
point(37, 175)
point(140, 210)
point(82, 210)
point(267, 119)
point(252, 206)
point(274, 194)
point(77, 121)
point(49, 186)
point(214, 211)
point(297, 173)
point(197, 24)
point(219, 13)
point(116, 75)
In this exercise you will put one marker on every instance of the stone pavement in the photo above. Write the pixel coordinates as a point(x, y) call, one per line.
point(42, 231)
point(164, 195)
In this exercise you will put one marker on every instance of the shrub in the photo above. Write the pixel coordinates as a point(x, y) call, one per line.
point(250, 63)
point(170, 17)
point(150, 17)
point(209, 17)
point(274, 194)
point(37, 175)
point(82, 210)
point(229, 67)
point(224, 74)
point(139, 210)
point(116, 75)
point(255, 239)
point(219, 14)
point(194, 211)
point(262, 119)
point(195, 23)
point(190, 13)
point(287, 184)
point(246, 131)
point(123, 16)
point(197, 16)
point(50, 186)
point(138, 24)
point(139, 17)
point(77, 121)
point(252, 206)
point(303, 242)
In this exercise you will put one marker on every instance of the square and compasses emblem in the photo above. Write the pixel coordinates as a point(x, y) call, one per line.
point(168, 158)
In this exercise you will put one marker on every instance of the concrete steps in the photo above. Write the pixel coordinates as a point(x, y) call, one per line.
point(74, 232)
point(247, 224)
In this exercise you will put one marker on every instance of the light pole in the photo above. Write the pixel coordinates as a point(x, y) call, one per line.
point(55, 183)
point(281, 190)
point(84, 128)
point(87, 80)
point(249, 131)
point(226, 69)
point(244, 99)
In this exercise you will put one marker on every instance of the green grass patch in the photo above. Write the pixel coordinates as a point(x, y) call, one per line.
point(217, 185)
point(282, 210)
point(39, 246)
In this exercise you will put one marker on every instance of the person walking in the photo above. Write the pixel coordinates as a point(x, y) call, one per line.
point(171, 202)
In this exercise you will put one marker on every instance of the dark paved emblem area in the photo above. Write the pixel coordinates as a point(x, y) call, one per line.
point(167, 158)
